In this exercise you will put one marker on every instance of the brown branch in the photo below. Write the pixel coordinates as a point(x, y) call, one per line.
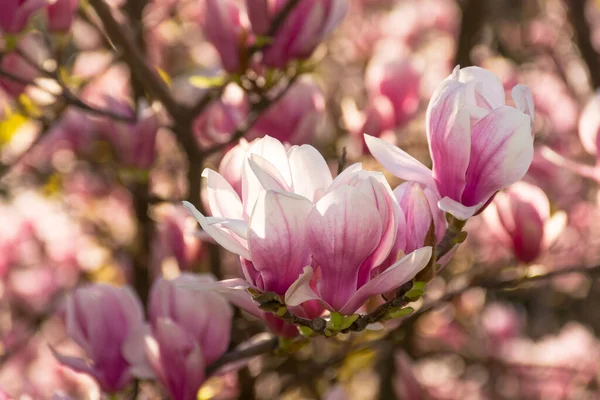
point(583, 34)
point(502, 285)
point(473, 13)
point(257, 349)
point(140, 70)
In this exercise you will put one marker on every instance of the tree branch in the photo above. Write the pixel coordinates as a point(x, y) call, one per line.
point(257, 349)
point(151, 82)
point(583, 34)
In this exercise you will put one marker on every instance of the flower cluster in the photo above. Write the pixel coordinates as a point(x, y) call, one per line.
point(320, 243)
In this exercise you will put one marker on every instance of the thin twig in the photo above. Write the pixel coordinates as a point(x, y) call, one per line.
point(150, 80)
point(576, 11)
point(257, 110)
point(259, 348)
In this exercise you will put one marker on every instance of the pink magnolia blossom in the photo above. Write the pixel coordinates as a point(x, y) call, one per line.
point(294, 118)
point(477, 143)
point(520, 218)
point(293, 219)
point(20, 67)
point(60, 14)
point(14, 14)
point(175, 241)
point(219, 121)
point(396, 79)
point(190, 330)
point(108, 323)
point(419, 204)
point(232, 163)
point(309, 23)
point(135, 143)
point(225, 27)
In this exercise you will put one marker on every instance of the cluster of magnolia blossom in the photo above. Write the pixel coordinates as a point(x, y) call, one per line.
point(174, 346)
point(331, 244)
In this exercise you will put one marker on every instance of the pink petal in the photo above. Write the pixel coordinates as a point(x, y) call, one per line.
point(237, 226)
point(274, 152)
point(416, 207)
point(222, 198)
point(377, 188)
point(553, 228)
point(342, 231)
point(449, 134)
point(457, 209)
point(589, 124)
point(399, 273)
point(277, 238)
point(309, 170)
point(223, 236)
point(268, 176)
point(75, 363)
point(234, 290)
point(134, 351)
point(489, 91)
point(300, 291)
point(523, 99)
point(501, 153)
point(398, 162)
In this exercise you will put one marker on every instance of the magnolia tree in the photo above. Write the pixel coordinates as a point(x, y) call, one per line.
point(336, 199)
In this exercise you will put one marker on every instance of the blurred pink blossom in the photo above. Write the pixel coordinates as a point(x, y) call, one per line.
point(60, 14)
point(520, 219)
point(396, 79)
point(219, 121)
point(225, 27)
point(308, 24)
point(15, 14)
point(295, 117)
point(108, 323)
point(190, 330)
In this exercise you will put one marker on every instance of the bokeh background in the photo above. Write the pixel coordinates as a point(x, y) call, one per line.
point(93, 172)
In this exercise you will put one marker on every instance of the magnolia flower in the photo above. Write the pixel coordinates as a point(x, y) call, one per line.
point(14, 14)
point(135, 143)
point(295, 117)
point(396, 79)
point(293, 219)
point(478, 144)
point(190, 330)
point(308, 24)
point(60, 14)
point(221, 118)
point(225, 27)
point(520, 219)
point(419, 204)
point(108, 323)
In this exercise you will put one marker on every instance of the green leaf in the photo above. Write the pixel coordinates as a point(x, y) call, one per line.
point(397, 313)
point(336, 320)
point(416, 291)
point(349, 320)
point(306, 331)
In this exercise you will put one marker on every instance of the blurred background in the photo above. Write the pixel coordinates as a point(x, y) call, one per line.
point(93, 169)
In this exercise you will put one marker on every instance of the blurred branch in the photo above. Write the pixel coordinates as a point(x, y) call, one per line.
point(150, 80)
point(473, 18)
point(510, 284)
point(583, 34)
point(257, 349)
